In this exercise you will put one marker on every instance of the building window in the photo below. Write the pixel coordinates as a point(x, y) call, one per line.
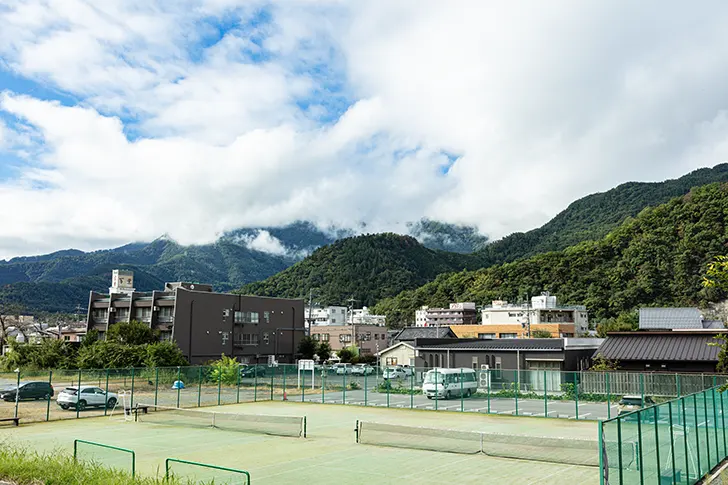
point(475, 362)
point(165, 336)
point(122, 313)
point(266, 317)
point(165, 311)
point(391, 361)
point(316, 337)
point(345, 338)
point(248, 339)
point(333, 320)
point(66, 338)
point(326, 337)
point(483, 336)
point(498, 367)
point(100, 314)
point(376, 336)
point(246, 317)
point(143, 313)
point(508, 335)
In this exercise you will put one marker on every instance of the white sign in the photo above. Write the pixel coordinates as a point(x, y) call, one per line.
point(305, 365)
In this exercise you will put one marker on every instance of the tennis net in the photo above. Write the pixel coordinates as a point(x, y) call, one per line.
point(572, 451)
point(252, 423)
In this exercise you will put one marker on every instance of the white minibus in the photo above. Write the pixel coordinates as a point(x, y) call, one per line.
point(447, 383)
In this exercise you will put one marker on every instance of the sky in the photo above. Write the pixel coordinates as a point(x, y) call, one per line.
point(123, 120)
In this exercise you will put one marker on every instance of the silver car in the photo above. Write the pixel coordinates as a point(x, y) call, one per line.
point(86, 396)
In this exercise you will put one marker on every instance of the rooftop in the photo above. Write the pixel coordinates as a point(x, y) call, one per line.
point(412, 333)
point(670, 318)
point(665, 346)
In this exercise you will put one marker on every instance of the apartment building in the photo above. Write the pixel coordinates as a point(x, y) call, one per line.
point(204, 324)
point(339, 315)
point(369, 339)
point(455, 314)
point(504, 320)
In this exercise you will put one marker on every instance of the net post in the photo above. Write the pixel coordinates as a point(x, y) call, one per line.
point(356, 431)
point(609, 397)
point(131, 403)
point(166, 469)
point(199, 385)
point(576, 396)
point(672, 441)
point(657, 442)
point(78, 397)
point(50, 383)
point(343, 398)
point(462, 393)
point(133, 464)
point(545, 396)
point(304, 426)
point(75, 451)
point(488, 388)
point(237, 383)
point(179, 379)
point(219, 383)
point(601, 452)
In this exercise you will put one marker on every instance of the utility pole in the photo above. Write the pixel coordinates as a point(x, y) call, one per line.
point(350, 308)
point(310, 312)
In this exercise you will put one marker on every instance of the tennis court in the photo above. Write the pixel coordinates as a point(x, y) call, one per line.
point(330, 453)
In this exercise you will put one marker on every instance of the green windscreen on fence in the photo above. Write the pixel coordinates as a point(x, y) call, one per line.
point(105, 455)
point(677, 442)
point(535, 448)
point(251, 423)
point(193, 472)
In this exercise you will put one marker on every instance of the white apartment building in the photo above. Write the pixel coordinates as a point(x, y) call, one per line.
point(364, 317)
point(544, 309)
point(421, 317)
point(340, 315)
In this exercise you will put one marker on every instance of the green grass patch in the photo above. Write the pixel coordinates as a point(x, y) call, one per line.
point(27, 467)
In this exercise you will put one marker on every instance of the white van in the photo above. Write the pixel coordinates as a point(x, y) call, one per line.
point(446, 383)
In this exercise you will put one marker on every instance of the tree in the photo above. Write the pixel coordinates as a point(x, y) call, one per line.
point(164, 354)
point(625, 322)
point(225, 370)
point(323, 351)
point(346, 355)
point(602, 363)
point(307, 347)
point(716, 276)
point(541, 334)
point(131, 333)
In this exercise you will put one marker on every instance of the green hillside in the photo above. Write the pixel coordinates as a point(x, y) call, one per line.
point(657, 258)
point(366, 268)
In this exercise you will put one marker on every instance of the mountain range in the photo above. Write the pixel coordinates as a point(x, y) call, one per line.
point(336, 265)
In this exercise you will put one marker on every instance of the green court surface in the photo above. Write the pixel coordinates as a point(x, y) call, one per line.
point(329, 454)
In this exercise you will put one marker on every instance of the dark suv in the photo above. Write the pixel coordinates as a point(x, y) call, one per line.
point(254, 370)
point(27, 390)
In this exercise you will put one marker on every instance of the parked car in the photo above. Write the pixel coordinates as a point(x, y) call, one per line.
point(341, 369)
point(362, 370)
point(395, 372)
point(254, 370)
point(27, 390)
point(633, 403)
point(90, 396)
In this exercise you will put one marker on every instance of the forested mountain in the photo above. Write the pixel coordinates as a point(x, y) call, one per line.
point(592, 217)
point(366, 268)
point(656, 258)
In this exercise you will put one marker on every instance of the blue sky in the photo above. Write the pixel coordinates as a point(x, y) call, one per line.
point(128, 119)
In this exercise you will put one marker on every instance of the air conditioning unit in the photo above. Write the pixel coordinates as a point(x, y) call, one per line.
point(112, 310)
point(155, 309)
point(226, 313)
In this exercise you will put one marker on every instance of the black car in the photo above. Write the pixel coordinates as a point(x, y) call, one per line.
point(28, 390)
point(254, 370)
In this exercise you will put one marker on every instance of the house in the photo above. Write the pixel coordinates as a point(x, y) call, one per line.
point(400, 353)
point(204, 324)
point(675, 319)
point(368, 338)
point(663, 351)
point(506, 357)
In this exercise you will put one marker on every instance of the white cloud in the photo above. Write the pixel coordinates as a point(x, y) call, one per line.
point(179, 130)
point(265, 242)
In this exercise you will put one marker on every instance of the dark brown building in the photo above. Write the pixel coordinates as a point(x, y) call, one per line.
point(205, 324)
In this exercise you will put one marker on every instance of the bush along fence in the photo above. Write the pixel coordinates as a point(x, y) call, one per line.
point(45, 395)
point(676, 442)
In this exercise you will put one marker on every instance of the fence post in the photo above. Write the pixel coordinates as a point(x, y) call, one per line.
point(715, 427)
point(685, 439)
point(303, 384)
point(722, 422)
point(619, 450)
point(219, 383)
point(707, 431)
point(156, 385)
point(107, 389)
point(50, 383)
point(255, 381)
point(609, 397)
point(462, 393)
point(199, 385)
point(78, 398)
point(343, 398)
point(488, 388)
point(697, 433)
point(412, 388)
point(132, 387)
point(284, 382)
point(518, 388)
point(601, 453)
point(545, 395)
point(366, 386)
point(672, 441)
point(677, 380)
point(657, 444)
point(272, 380)
point(576, 396)
point(639, 445)
point(389, 382)
point(179, 379)
point(237, 383)
point(642, 387)
point(436, 384)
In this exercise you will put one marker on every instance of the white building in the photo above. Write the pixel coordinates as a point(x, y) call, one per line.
point(364, 317)
point(544, 309)
point(421, 317)
point(340, 315)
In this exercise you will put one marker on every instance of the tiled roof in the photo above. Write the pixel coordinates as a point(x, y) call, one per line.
point(411, 333)
point(664, 346)
point(669, 318)
point(501, 344)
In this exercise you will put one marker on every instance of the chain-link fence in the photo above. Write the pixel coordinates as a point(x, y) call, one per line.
point(675, 442)
point(65, 394)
